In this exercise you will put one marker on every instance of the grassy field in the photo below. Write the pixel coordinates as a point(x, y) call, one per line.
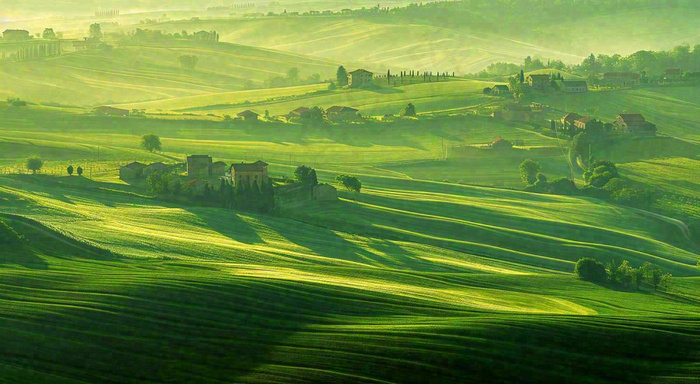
point(462, 277)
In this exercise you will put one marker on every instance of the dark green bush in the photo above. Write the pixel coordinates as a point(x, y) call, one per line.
point(590, 269)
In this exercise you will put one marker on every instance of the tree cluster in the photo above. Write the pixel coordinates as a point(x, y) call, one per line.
point(622, 274)
point(70, 170)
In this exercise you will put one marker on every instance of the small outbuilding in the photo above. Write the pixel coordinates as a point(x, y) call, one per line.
point(325, 192)
point(155, 168)
point(500, 90)
point(131, 171)
point(249, 115)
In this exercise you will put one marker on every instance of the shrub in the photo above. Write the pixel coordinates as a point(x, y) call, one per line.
point(640, 198)
point(563, 186)
point(529, 170)
point(590, 269)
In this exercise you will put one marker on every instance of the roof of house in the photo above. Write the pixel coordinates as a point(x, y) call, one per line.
point(496, 140)
point(572, 116)
point(243, 167)
point(575, 83)
point(135, 165)
point(157, 165)
point(219, 163)
point(621, 74)
point(108, 108)
point(631, 118)
point(501, 87)
point(340, 109)
point(301, 110)
point(540, 76)
point(673, 71)
point(248, 113)
point(16, 31)
point(198, 157)
point(583, 120)
point(358, 71)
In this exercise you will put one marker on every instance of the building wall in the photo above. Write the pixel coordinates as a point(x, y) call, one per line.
point(325, 192)
point(249, 177)
point(127, 174)
point(360, 79)
point(199, 167)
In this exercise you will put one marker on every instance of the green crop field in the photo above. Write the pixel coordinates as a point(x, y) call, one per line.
point(447, 266)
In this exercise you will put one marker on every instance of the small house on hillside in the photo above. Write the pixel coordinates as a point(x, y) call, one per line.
point(621, 78)
point(515, 112)
point(300, 113)
point(500, 90)
point(248, 115)
point(16, 35)
point(342, 113)
point(131, 171)
point(538, 81)
point(501, 143)
point(110, 111)
point(568, 120)
point(359, 78)
point(253, 174)
point(634, 123)
point(574, 86)
point(589, 125)
point(199, 166)
point(155, 168)
point(673, 74)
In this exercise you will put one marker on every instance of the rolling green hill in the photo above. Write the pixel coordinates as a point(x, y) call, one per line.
point(338, 292)
point(146, 72)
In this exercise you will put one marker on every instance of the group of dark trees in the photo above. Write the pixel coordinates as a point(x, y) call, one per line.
point(188, 62)
point(244, 196)
point(602, 181)
point(622, 274)
point(649, 64)
point(351, 183)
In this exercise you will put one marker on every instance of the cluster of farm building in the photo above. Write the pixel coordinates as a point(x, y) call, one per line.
point(203, 172)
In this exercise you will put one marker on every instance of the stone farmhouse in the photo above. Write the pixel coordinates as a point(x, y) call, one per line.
point(253, 174)
point(248, 115)
point(153, 168)
point(500, 90)
point(621, 78)
point(538, 81)
point(342, 113)
point(219, 168)
point(634, 123)
point(673, 74)
point(299, 113)
point(324, 192)
point(16, 35)
point(359, 78)
point(199, 167)
point(574, 86)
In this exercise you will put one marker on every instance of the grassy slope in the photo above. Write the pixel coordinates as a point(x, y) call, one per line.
point(148, 72)
point(425, 269)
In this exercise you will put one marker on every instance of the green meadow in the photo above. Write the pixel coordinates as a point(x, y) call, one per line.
point(443, 269)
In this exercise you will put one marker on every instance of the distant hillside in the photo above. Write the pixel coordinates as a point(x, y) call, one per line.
point(464, 37)
point(147, 72)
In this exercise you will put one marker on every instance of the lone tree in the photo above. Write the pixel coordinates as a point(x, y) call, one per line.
point(590, 269)
point(529, 170)
point(351, 183)
point(95, 32)
point(409, 110)
point(34, 164)
point(70, 170)
point(150, 142)
point(80, 171)
point(188, 62)
point(342, 76)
